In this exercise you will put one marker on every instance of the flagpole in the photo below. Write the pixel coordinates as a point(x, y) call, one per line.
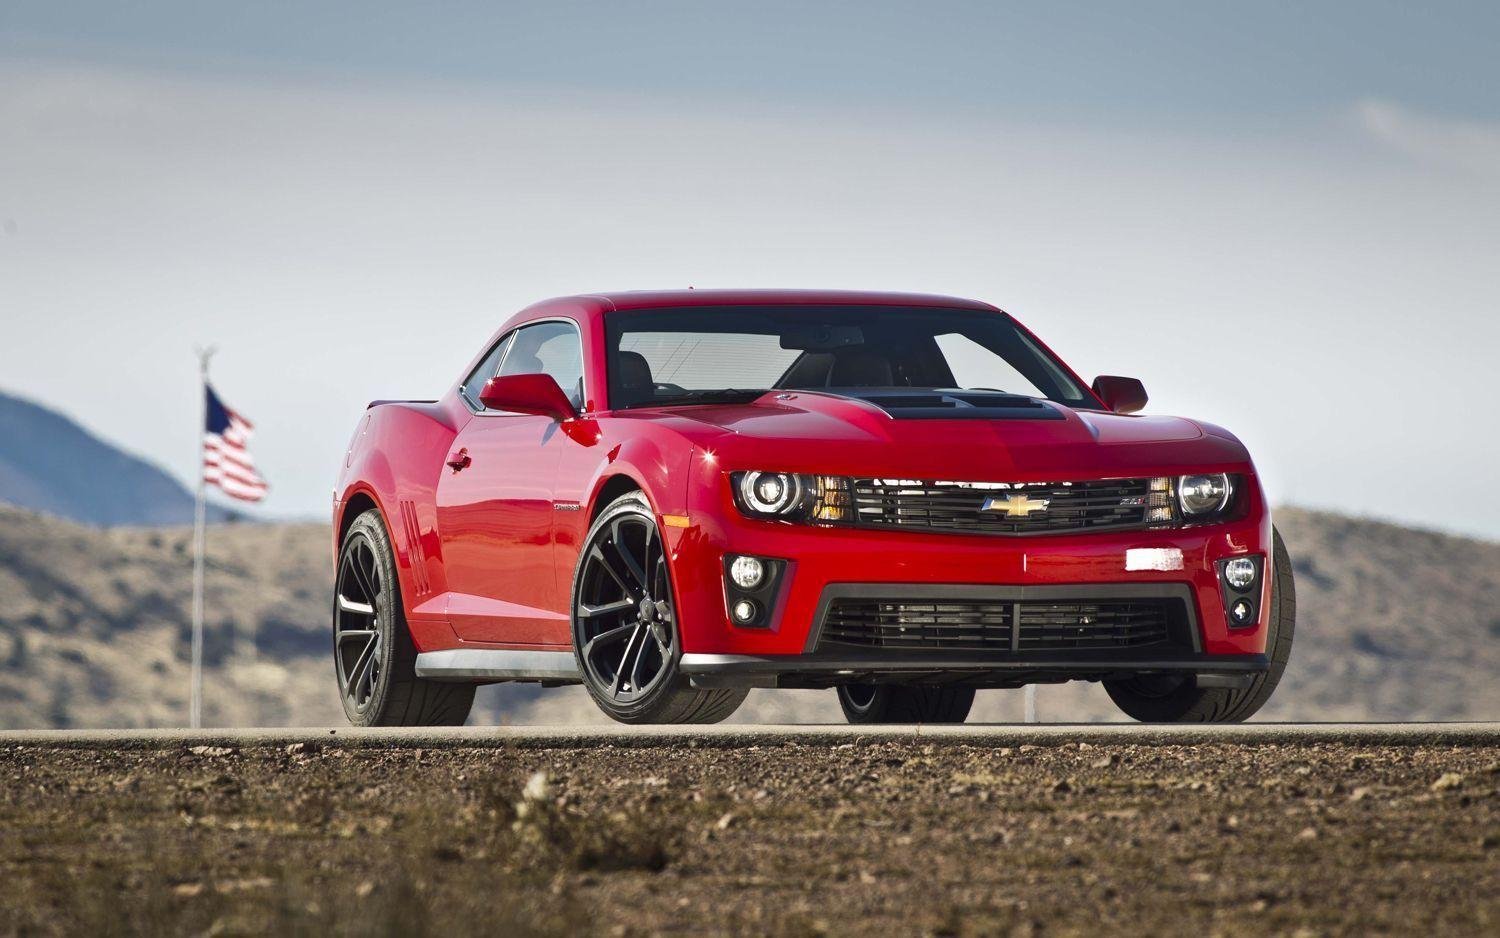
point(195, 694)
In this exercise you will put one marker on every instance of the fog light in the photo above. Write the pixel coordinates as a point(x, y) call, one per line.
point(1241, 611)
point(1240, 572)
point(743, 611)
point(747, 572)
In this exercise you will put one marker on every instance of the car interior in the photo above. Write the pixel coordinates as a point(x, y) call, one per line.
point(913, 362)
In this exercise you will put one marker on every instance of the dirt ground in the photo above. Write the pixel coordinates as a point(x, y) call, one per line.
point(898, 837)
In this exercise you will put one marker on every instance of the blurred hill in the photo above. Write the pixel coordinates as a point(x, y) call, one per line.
point(1394, 624)
point(95, 624)
point(50, 463)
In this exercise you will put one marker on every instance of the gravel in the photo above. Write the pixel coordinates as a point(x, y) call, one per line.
point(720, 834)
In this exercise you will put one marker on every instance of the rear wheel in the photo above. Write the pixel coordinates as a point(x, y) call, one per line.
point(897, 703)
point(1170, 699)
point(373, 655)
point(625, 631)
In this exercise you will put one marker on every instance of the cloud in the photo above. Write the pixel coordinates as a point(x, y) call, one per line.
point(1471, 147)
point(342, 242)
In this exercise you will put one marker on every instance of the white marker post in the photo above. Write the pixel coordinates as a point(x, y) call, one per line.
point(195, 693)
point(1030, 703)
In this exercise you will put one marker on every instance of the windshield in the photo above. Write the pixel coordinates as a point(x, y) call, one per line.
point(715, 355)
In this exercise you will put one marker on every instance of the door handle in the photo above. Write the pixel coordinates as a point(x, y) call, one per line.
point(459, 460)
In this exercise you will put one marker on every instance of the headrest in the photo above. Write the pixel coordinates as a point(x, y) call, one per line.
point(635, 372)
point(522, 363)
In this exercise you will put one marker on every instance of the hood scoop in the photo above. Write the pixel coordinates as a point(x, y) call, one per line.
point(905, 404)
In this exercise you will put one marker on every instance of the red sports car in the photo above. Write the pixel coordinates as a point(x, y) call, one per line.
point(673, 497)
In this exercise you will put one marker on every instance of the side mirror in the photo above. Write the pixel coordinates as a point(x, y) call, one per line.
point(527, 394)
point(1121, 395)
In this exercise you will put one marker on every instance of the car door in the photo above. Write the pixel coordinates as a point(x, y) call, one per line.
point(494, 501)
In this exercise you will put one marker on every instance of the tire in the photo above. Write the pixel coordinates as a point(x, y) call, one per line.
point(1164, 699)
point(608, 616)
point(393, 695)
point(899, 703)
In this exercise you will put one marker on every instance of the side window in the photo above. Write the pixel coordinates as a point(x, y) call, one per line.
point(486, 369)
point(549, 348)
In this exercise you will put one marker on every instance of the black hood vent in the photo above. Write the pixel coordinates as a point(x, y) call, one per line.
point(911, 404)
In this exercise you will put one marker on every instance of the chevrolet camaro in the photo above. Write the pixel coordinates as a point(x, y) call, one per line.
point(673, 497)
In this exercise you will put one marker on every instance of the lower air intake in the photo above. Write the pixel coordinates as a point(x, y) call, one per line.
point(998, 626)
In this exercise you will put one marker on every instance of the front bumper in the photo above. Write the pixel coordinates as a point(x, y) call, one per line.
point(823, 559)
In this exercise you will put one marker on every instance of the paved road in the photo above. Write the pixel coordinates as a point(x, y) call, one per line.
point(1414, 734)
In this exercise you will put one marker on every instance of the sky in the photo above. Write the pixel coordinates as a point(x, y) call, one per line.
point(1284, 218)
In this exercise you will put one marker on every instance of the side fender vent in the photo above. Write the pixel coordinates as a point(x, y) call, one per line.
point(412, 553)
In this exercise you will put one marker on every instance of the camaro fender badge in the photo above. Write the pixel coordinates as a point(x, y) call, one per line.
point(1016, 506)
point(566, 506)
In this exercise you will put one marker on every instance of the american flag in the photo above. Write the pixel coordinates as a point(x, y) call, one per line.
point(226, 461)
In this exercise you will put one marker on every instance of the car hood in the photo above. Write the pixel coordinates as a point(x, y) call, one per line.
point(817, 432)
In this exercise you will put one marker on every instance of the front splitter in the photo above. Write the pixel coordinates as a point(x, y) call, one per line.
point(826, 670)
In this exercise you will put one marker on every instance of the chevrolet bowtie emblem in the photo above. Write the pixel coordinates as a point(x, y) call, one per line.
point(1015, 506)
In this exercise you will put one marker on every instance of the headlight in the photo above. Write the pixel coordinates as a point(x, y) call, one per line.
point(1203, 494)
point(770, 493)
point(793, 496)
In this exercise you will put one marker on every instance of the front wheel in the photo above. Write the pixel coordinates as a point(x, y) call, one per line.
point(373, 655)
point(898, 703)
point(625, 631)
point(1169, 699)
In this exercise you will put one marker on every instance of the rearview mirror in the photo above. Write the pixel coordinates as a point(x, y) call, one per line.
point(820, 338)
point(1121, 395)
point(527, 394)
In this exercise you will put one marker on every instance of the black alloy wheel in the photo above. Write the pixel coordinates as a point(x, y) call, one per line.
point(373, 655)
point(358, 652)
point(624, 608)
point(625, 633)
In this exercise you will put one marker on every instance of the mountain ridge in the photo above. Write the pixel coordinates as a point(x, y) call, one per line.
point(51, 463)
point(1393, 624)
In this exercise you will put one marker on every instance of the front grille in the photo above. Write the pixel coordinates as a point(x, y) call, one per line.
point(978, 625)
point(959, 507)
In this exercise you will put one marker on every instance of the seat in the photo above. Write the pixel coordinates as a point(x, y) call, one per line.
point(636, 383)
point(860, 367)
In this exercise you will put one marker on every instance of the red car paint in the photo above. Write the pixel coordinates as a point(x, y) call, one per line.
point(485, 555)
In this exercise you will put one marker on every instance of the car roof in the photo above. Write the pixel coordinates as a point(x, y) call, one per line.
point(596, 303)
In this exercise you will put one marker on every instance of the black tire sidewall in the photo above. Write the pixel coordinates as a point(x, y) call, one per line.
point(854, 712)
point(905, 703)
